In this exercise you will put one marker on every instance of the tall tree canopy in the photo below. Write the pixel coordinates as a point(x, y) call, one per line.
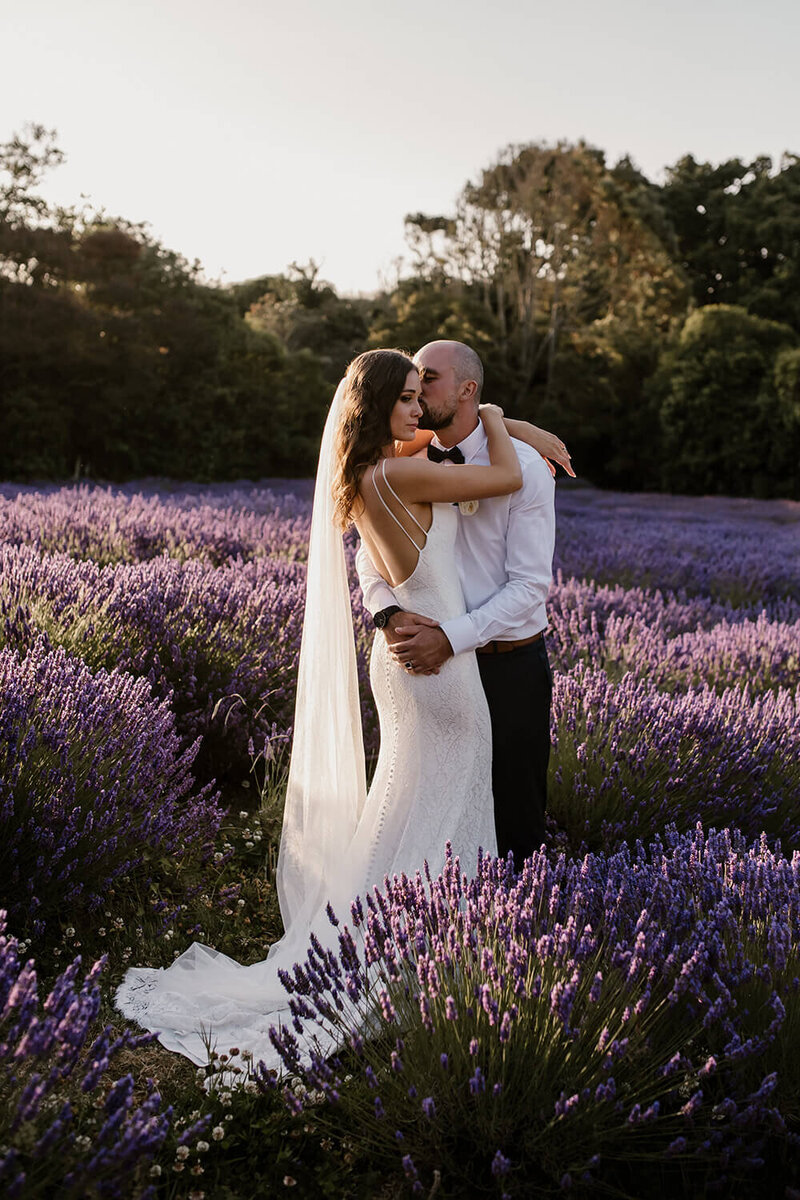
point(552, 240)
point(737, 226)
point(653, 325)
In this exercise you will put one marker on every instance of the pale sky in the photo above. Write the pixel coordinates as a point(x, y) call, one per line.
point(250, 133)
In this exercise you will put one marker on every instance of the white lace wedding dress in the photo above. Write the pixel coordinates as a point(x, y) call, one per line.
point(432, 784)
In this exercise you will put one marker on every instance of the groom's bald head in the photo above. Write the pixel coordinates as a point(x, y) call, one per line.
point(466, 365)
point(451, 378)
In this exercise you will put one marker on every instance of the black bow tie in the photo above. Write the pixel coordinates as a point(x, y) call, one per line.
point(437, 455)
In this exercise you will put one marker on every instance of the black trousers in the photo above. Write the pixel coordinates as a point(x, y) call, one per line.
point(519, 686)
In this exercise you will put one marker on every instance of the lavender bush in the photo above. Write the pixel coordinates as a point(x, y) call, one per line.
point(111, 526)
point(203, 594)
point(629, 760)
point(675, 641)
point(93, 785)
point(220, 643)
point(66, 1127)
point(763, 654)
point(537, 1030)
point(743, 554)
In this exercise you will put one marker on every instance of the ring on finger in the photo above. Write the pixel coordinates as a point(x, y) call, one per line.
point(409, 666)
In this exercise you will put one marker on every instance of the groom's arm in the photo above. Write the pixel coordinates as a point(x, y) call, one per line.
point(530, 541)
point(378, 595)
point(375, 590)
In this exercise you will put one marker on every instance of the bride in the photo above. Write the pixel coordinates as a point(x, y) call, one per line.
point(432, 782)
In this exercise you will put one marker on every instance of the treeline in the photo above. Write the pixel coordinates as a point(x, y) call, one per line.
point(656, 327)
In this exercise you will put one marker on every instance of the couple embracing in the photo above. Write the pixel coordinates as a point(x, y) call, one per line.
point(455, 558)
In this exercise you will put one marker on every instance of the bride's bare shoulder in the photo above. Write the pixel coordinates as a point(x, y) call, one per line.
point(418, 445)
point(400, 468)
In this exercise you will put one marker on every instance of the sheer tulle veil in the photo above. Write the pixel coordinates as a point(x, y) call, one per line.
point(327, 778)
point(205, 996)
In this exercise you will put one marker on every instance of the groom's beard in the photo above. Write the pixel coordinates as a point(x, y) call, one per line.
point(435, 419)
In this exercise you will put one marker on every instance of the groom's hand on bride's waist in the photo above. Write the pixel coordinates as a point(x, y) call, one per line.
point(419, 641)
point(403, 625)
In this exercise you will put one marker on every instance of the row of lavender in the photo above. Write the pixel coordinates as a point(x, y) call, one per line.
point(214, 648)
point(217, 643)
point(744, 552)
point(149, 647)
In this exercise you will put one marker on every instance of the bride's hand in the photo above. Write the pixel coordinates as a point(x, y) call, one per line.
point(483, 409)
point(551, 448)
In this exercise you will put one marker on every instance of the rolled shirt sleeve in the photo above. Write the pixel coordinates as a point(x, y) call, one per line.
point(374, 588)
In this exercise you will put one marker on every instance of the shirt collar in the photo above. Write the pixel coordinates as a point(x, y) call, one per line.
point(471, 444)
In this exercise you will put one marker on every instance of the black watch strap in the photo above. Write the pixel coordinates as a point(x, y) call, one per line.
point(381, 618)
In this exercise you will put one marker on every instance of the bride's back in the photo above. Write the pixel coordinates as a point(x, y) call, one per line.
point(393, 532)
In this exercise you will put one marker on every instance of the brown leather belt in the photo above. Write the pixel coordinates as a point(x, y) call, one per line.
point(504, 647)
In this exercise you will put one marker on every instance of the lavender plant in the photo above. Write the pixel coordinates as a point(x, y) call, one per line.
point(735, 555)
point(741, 554)
point(222, 617)
point(535, 1031)
point(600, 1016)
point(67, 1127)
point(125, 525)
point(629, 760)
point(677, 642)
point(200, 635)
point(763, 654)
point(93, 786)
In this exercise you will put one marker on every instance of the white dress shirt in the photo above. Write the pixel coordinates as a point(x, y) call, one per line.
point(504, 553)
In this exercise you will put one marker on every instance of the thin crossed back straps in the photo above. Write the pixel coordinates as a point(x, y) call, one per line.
point(402, 505)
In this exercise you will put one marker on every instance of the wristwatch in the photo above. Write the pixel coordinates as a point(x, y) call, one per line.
point(381, 618)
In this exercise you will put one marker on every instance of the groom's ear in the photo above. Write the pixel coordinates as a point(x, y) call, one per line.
point(468, 391)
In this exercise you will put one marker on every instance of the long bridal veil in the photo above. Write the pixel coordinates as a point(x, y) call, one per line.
point(327, 780)
point(205, 997)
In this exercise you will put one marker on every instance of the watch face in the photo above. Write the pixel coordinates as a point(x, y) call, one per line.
point(380, 620)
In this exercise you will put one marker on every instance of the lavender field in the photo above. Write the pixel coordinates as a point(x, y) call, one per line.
point(624, 1013)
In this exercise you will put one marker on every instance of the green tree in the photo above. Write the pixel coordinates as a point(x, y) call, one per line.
point(421, 310)
point(551, 240)
point(116, 360)
point(727, 392)
point(602, 404)
point(307, 314)
point(738, 231)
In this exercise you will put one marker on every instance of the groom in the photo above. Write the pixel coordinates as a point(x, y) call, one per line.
point(505, 552)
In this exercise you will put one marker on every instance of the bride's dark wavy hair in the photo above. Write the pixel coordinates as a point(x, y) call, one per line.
point(373, 384)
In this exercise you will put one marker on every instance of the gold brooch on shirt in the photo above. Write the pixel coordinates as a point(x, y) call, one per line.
point(468, 507)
